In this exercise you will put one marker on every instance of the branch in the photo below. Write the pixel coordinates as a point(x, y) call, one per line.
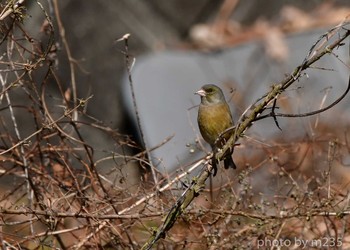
point(282, 86)
point(257, 108)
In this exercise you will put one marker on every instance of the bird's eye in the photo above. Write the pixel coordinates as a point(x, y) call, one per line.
point(210, 90)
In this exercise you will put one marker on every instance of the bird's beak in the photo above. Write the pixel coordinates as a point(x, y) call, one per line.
point(200, 92)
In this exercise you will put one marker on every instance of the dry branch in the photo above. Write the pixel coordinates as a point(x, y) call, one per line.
point(247, 121)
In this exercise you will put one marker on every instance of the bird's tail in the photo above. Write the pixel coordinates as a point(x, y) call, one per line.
point(229, 163)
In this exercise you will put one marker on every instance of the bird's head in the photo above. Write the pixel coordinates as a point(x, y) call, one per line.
point(211, 94)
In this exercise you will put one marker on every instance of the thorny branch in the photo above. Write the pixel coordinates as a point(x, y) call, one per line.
point(247, 120)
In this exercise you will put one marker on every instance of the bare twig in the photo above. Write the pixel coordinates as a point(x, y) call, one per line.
point(72, 61)
point(11, 7)
point(129, 66)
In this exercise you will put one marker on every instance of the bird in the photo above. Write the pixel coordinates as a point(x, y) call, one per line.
point(214, 117)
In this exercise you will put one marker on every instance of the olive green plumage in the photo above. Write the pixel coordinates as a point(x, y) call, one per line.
point(214, 117)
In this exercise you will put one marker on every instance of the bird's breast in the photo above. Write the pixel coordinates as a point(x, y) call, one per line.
point(213, 119)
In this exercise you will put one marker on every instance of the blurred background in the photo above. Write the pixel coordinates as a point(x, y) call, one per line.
point(178, 47)
point(175, 47)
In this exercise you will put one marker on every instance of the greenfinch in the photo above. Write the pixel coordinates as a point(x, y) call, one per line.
point(214, 117)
